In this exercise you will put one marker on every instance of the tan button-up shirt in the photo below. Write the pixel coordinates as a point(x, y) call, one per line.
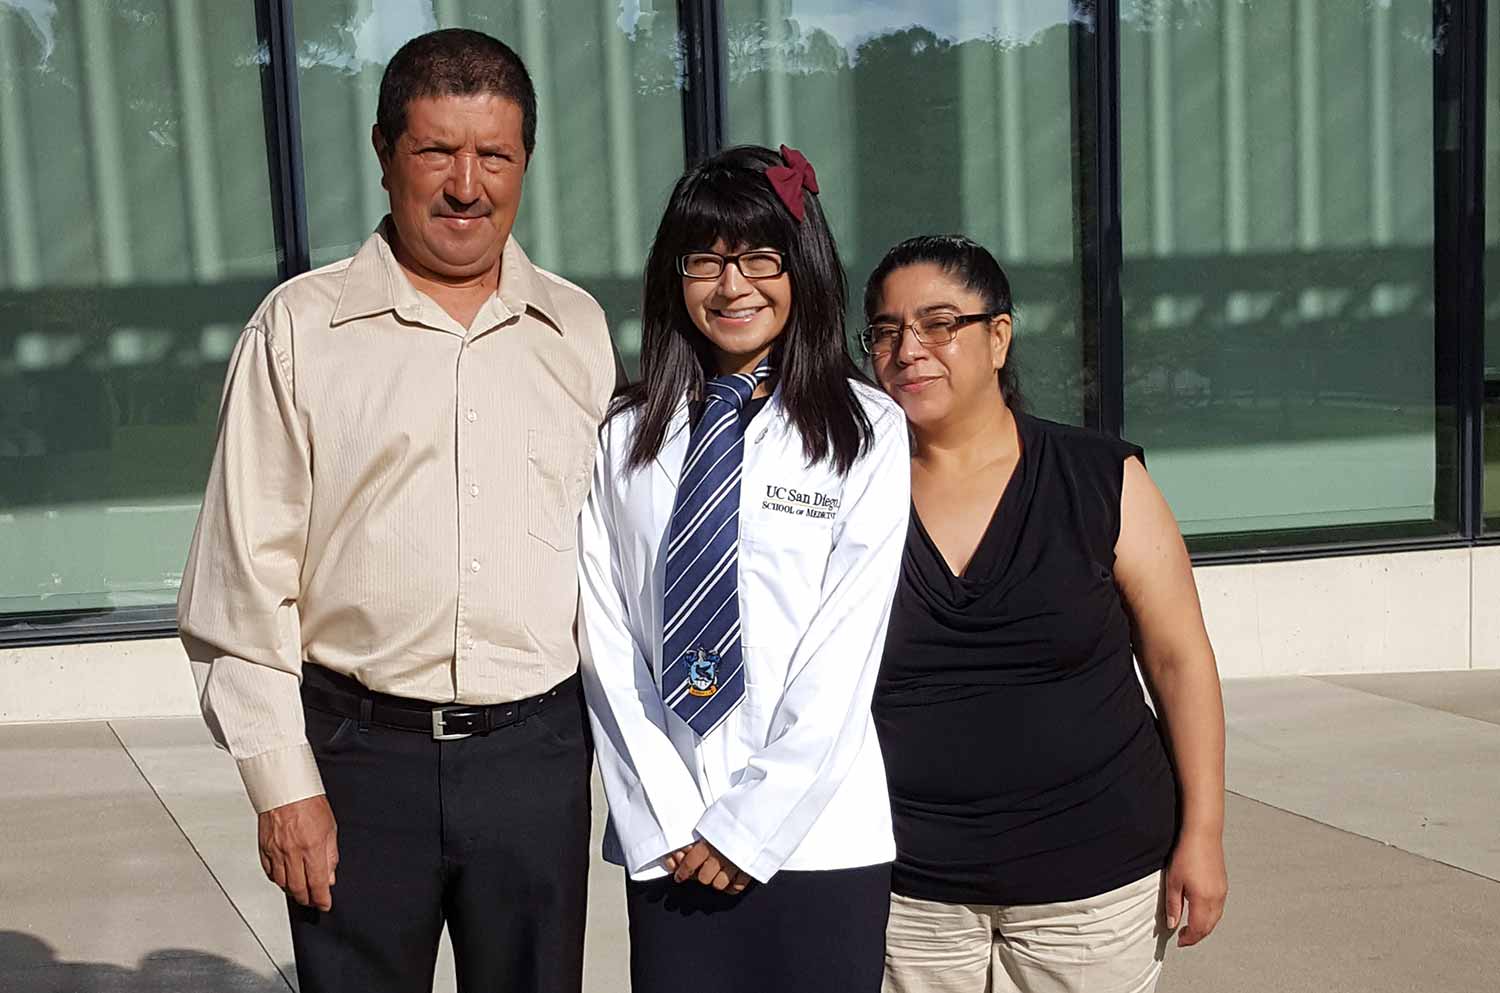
point(395, 497)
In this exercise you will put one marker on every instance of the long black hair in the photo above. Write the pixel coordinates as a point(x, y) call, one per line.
point(974, 267)
point(728, 198)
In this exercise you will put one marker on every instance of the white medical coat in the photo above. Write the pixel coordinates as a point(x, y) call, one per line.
point(793, 778)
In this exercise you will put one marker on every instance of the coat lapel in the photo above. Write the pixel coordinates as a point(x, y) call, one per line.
point(674, 449)
point(770, 426)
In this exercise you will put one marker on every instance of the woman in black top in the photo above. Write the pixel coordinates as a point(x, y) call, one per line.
point(1049, 830)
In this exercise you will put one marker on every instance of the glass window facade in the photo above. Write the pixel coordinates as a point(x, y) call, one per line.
point(135, 238)
point(1277, 161)
point(932, 119)
point(1284, 253)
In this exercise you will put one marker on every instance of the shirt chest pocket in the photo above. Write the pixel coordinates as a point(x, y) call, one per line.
point(557, 478)
point(782, 565)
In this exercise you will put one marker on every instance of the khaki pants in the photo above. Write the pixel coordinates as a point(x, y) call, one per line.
point(1110, 943)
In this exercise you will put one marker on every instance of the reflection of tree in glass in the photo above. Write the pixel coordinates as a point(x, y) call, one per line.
point(759, 44)
point(657, 54)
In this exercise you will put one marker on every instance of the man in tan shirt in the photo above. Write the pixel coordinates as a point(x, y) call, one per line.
point(380, 597)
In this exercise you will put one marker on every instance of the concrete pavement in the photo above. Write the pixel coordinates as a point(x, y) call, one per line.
point(1363, 840)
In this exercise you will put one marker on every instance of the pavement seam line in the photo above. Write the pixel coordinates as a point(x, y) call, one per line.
point(201, 860)
point(1332, 679)
point(1355, 834)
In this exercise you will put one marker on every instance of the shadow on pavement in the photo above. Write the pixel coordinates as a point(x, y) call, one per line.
point(30, 965)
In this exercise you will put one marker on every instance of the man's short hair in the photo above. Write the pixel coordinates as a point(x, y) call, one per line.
point(454, 62)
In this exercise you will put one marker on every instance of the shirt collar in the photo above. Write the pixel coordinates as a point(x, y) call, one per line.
point(522, 285)
point(375, 284)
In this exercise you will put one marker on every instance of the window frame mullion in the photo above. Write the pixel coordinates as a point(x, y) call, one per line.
point(283, 124)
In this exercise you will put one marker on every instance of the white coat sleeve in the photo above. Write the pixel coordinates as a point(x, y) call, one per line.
point(820, 723)
point(653, 800)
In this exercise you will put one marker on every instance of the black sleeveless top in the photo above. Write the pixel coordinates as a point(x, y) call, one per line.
point(1024, 764)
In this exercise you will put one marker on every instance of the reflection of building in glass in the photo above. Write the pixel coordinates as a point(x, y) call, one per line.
point(135, 224)
point(1278, 244)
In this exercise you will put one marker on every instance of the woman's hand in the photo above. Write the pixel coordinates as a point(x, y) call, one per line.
point(706, 864)
point(1196, 875)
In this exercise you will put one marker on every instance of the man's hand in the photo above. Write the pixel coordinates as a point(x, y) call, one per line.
point(299, 850)
point(706, 864)
point(1196, 875)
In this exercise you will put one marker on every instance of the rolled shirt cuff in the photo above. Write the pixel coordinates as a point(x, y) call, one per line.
point(286, 775)
point(645, 860)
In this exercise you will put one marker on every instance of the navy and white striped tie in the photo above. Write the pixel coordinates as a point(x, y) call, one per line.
point(703, 672)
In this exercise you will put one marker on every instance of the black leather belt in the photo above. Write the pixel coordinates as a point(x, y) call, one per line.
point(332, 693)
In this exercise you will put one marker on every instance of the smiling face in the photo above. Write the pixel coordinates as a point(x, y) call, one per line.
point(936, 383)
point(741, 317)
point(454, 178)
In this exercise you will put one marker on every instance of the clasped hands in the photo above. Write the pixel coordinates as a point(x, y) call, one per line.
point(703, 862)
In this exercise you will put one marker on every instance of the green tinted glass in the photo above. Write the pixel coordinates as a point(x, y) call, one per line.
point(1492, 273)
point(135, 240)
point(1278, 278)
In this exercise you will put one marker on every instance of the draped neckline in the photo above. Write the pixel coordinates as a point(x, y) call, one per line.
point(996, 545)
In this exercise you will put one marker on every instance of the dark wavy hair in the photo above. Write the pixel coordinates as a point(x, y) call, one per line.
point(728, 198)
point(973, 266)
point(454, 62)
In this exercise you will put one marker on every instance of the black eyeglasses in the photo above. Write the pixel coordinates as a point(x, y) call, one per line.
point(763, 263)
point(932, 330)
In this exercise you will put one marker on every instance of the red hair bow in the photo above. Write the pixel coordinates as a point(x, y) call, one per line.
point(791, 179)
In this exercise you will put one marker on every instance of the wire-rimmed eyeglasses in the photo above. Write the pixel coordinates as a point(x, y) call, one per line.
point(932, 330)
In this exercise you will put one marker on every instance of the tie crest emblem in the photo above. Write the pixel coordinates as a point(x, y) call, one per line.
point(703, 672)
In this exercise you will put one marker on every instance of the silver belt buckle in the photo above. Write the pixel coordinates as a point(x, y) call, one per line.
point(439, 732)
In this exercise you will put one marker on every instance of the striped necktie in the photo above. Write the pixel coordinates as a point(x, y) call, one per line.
point(703, 673)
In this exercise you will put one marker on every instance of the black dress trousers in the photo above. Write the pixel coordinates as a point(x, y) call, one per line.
point(488, 834)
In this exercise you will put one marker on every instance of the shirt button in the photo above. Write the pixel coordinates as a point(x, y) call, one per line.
point(473, 565)
point(469, 644)
point(472, 415)
point(473, 489)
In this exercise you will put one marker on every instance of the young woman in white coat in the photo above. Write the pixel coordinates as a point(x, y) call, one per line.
point(739, 551)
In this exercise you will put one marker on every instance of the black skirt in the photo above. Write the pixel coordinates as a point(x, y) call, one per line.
point(803, 932)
